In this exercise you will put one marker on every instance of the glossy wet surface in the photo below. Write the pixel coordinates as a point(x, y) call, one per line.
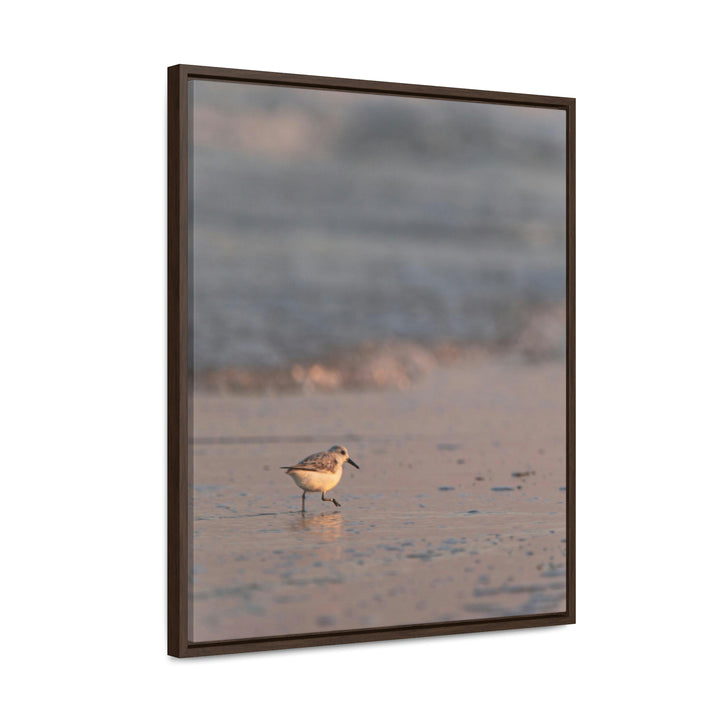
point(432, 528)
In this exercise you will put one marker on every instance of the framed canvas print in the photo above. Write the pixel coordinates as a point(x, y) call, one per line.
point(371, 360)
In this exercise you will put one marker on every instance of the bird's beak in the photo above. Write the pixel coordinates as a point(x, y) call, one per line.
point(353, 463)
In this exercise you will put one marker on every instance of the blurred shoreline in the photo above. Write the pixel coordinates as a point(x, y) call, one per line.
point(390, 365)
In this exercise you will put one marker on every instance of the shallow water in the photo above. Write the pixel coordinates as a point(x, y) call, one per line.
point(435, 526)
point(291, 572)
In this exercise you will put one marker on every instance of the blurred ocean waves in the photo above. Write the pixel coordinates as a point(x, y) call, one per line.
point(330, 223)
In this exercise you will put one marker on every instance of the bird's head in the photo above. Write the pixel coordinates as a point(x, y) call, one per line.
point(343, 455)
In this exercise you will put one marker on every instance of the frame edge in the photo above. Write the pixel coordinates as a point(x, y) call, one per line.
point(571, 361)
point(177, 288)
point(372, 86)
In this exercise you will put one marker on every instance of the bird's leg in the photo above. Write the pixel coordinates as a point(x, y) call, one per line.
point(333, 500)
point(303, 500)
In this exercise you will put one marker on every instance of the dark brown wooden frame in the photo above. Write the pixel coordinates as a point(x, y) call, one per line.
point(178, 417)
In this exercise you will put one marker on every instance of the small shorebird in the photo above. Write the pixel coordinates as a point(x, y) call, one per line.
point(320, 472)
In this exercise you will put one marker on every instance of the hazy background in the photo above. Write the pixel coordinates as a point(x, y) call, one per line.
point(324, 220)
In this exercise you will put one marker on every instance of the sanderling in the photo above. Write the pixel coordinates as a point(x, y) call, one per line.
point(320, 472)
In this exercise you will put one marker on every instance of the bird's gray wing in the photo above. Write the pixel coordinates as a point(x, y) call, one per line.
point(319, 462)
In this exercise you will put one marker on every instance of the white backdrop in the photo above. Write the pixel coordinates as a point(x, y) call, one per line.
point(83, 358)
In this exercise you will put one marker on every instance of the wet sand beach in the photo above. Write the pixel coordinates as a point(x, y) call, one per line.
point(457, 511)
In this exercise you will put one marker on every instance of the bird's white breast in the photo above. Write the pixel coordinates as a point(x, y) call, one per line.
point(316, 481)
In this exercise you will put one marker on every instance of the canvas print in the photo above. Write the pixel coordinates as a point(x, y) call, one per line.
point(377, 356)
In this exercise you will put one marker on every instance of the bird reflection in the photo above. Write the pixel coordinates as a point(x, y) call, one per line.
point(326, 527)
point(320, 535)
